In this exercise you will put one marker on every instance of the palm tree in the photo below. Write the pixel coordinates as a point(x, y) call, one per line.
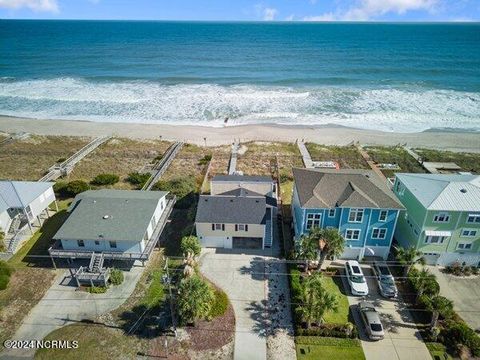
point(408, 257)
point(195, 299)
point(331, 244)
point(307, 250)
point(425, 283)
point(190, 244)
point(439, 305)
point(314, 300)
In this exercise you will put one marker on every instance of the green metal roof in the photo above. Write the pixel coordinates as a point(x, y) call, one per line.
point(117, 215)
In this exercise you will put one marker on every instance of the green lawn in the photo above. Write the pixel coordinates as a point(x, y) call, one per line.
point(286, 189)
point(341, 316)
point(438, 351)
point(318, 348)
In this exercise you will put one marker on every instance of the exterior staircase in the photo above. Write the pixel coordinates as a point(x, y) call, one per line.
point(268, 229)
point(96, 262)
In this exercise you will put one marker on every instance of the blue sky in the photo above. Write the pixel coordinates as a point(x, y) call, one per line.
point(249, 10)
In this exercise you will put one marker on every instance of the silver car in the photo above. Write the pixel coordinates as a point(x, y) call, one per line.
point(371, 320)
point(385, 280)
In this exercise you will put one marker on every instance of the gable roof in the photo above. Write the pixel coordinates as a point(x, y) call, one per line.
point(231, 209)
point(19, 194)
point(116, 215)
point(452, 192)
point(242, 178)
point(245, 192)
point(343, 188)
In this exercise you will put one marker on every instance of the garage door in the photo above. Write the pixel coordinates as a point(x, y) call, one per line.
point(350, 253)
point(247, 243)
point(431, 258)
point(212, 241)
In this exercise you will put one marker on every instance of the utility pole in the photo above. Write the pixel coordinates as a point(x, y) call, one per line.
point(168, 280)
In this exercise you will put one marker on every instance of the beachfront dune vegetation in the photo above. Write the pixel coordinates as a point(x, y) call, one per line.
point(138, 180)
point(184, 188)
point(70, 189)
point(5, 273)
point(105, 179)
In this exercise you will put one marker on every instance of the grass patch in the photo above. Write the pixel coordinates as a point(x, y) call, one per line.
point(394, 155)
point(220, 304)
point(341, 316)
point(286, 192)
point(467, 161)
point(438, 351)
point(347, 157)
point(309, 348)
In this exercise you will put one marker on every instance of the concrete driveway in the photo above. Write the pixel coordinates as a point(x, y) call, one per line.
point(402, 339)
point(63, 304)
point(258, 291)
point(464, 292)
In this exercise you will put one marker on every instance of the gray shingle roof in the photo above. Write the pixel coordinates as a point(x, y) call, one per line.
point(128, 215)
point(343, 188)
point(231, 209)
point(444, 191)
point(246, 178)
point(19, 194)
point(244, 192)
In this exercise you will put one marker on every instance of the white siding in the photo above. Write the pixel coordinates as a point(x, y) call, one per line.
point(38, 205)
point(4, 221)
point(122, 246)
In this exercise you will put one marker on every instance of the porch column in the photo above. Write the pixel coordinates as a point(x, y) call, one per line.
point(53, 262)
point(28, 221)
point(56, 205)
point(39, 220)
point(48, 214)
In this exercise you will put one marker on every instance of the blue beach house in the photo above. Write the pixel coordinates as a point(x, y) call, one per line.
point(356, 202)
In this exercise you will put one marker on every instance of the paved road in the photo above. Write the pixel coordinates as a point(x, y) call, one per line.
point(402, 339)
point(63, 305)
point(464, 292)
point(255, 290)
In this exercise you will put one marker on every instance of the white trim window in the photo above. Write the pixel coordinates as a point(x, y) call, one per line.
point(441, 218)
point(331, 213)
point(468, 233)
point(355, 215)
point(435, 239)
point(400, 188)
point(382, 216)
point(113, 244)
point(473, 219)
point(241, 227)
point(379, 233)
point(313, 220)
point(81, 243)
point(352, 234)
point(464, 246)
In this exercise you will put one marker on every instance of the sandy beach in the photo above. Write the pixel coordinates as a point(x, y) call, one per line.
point(213, 136)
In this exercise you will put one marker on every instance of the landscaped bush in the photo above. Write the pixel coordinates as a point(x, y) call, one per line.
point(195, 299)
point(190, 244)
point(5, 272)
point(458, 332)
point(137, 179)
point(185, 188)
point(116, 277)
point(72, 188)
point(219, 305)
point(458, 269)
point(329, 330)
point(105, 179)
point(205, 160)
point(60, 188)
point(97, 289)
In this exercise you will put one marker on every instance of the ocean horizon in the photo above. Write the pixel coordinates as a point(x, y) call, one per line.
point(401, 77)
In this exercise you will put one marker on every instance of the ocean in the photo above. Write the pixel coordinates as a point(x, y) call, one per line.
point(391, 77)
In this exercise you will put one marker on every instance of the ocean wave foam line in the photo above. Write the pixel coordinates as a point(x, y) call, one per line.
point(389, 109)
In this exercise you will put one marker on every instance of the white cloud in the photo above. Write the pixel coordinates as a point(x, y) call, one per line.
point(35, 5)
point(371, 9)
point(266, 13)
point(290, 17)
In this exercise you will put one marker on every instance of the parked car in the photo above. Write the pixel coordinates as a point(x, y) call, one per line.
point(385, 280)
point(356, 279)
point(371, 320)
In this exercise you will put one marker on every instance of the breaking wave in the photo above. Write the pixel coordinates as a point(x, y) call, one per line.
point(405, 109)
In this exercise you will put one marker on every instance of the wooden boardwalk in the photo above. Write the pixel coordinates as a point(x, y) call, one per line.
point(232, 166)
point(372, 164)
point(307, 159)
point(162, 166)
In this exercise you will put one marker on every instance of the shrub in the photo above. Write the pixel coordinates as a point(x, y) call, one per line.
point(116, 277)
point(205, 160)
point(195, 299)
point(219, 305)
point(184, 188)
point(97, 289)
point(105, 179)
point(4, 280)
point(60, 188)
point(61, 160)
point(137, 179)
point(190, 244)
point(457, 332)
point(346, 331)
point(76, 187)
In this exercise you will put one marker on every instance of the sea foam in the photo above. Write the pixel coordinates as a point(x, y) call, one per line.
point(406, 109)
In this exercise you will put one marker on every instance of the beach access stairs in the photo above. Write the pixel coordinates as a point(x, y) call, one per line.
point(232, 166)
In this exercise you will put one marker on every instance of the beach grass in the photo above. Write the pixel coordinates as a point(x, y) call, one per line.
point(30, 158)
point(119, 156)
point(347, 157)
point(467, 161)
point(394, 155)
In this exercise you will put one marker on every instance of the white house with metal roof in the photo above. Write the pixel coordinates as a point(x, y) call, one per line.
point(119, 224)
point(442, 217)
point(22, 203)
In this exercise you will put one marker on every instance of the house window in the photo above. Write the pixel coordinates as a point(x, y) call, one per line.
point(218, 227)
point(97, 242)
point(241, 227)
point(399, 188)
point(355, 215)
point(331, 213)
point(161, 205)
point(352, 234)
point(469, 233)
point(435, 239)
point(80, 243)
point(313, 220)
point(383, 215)
point(464, 246)
point(113, 244)
point(441, 218)
point(473, 218)
point(28, 209)
point(379, 233)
